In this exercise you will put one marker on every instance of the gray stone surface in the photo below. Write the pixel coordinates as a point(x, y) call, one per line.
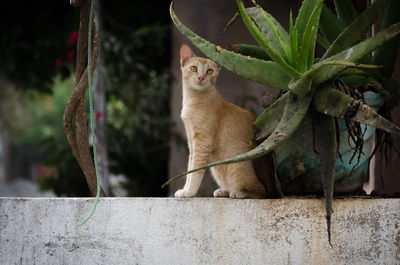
point(23, 187)
point(198, 231)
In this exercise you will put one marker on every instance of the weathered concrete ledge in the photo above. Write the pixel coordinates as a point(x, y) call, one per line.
point(198, 231)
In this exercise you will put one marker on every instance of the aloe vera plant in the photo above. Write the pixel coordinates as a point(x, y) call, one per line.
point(285, 60)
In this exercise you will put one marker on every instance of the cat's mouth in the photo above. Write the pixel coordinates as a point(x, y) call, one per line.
point(200, 80)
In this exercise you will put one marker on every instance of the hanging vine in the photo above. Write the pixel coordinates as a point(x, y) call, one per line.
point(75, 124)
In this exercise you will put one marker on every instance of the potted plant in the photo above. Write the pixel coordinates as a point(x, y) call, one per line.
point(318, 91)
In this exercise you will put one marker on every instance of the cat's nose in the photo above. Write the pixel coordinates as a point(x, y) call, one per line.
point(201, 78)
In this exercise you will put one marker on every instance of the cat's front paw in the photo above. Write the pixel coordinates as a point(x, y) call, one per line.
point(184, 194)
point(238, 195)
point(221, 193)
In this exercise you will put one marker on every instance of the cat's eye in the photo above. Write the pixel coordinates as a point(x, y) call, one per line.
point(210, 71)
point(193, 68)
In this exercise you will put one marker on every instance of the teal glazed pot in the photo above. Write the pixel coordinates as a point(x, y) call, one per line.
point(298, 166)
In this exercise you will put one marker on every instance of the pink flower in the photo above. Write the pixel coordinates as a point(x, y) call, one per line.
point(73, 38)
point(58, 62)
point(97, 115)
point(70, 55)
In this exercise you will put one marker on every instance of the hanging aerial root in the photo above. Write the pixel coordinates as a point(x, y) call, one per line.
point(330, 101)
point(77, 133)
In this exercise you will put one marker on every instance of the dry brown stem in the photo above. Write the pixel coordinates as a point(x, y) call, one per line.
point(77, 133)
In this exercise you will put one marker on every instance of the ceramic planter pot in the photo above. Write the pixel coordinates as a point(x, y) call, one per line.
point(298, 166)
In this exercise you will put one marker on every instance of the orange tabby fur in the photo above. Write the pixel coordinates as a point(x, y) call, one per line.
point(215, 130)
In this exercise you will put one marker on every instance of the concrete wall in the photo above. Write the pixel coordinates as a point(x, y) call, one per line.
point(198, 231)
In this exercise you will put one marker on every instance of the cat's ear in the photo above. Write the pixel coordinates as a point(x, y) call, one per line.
point(186, 53)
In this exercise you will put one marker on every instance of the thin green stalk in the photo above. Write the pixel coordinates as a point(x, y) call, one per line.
point(90, 84)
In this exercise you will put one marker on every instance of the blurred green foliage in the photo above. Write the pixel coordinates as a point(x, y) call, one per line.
point(39, 126)
point(136, 53)
point(34, 36)
point(36, 56)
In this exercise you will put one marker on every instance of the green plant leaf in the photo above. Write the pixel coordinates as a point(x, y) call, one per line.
point(263, 25)
point(294, 41)
point(330, 25)
point(332, 102)
point(269, 119)
point(231, 21)
point(345, 11)
point(312, 75)
point(325, 135)
point(264, 43)
point(307, 48)
point(357, 30)
point(387, 53)
point(323, 41)
point(307, 8)
point(249, 68)
point(268, 24)
point(295, 110)
point(250, 50)
point(355, 53)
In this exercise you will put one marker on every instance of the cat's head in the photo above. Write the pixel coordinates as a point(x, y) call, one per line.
point(199, 73)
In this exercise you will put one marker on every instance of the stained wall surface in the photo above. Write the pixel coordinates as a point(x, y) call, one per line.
point(198, 231)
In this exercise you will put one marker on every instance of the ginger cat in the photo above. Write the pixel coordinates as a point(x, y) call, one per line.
point(215, 130)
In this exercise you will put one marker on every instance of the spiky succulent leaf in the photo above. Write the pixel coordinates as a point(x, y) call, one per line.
point(264, 43)
point(325, 135)
point(250, 50)
point(294, 41)
point(271, 28)
point(232, 20)
point(387, 53)
point(345, 10)
point(306, 9)
point(269, 119)
point(355, 53)
point(332, 102)
point(330, 25)
point(323, 41)
point(307, 48)
point(298, 86)
point(357, 30)
point(249, 68)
